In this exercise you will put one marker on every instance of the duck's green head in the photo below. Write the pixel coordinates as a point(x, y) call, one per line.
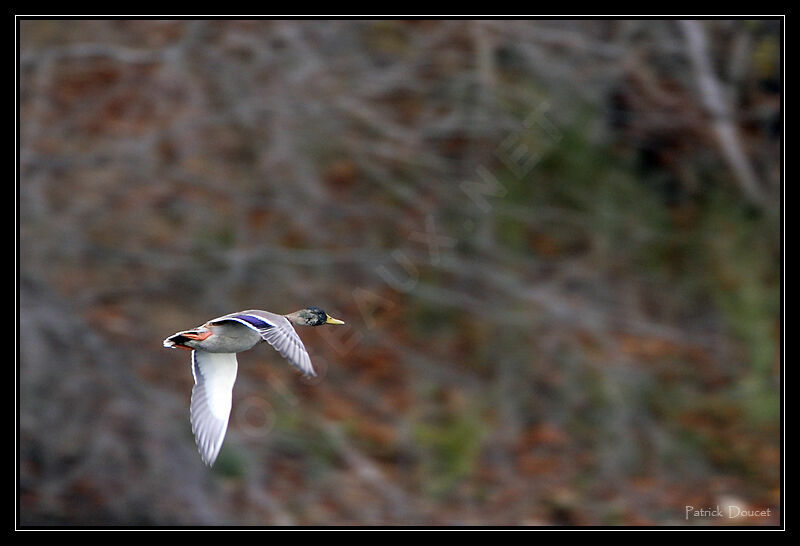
point(314, 316)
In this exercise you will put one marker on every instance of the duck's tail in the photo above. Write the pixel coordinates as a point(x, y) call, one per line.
point(178, 340)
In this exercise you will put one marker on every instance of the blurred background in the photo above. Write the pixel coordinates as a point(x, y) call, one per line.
point(556, 245)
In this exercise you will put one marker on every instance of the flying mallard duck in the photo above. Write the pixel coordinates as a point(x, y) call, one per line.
point(214, 346)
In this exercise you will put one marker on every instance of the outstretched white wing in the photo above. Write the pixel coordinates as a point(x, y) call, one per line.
point(214, 376)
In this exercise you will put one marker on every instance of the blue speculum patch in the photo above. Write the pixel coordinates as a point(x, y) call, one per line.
point(255, 321)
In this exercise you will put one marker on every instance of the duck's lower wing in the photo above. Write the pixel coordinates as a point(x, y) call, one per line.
point(214, 376)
